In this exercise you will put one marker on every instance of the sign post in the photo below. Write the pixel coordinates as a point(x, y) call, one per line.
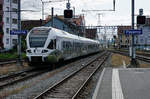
point(19, 36)
point(132, 50)
point(19, 33)
point(133, 32)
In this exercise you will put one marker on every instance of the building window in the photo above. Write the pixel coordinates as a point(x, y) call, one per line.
point(1, 7)
point(7, 0)
point(141, 40)
point(15, 1)
point(1, 29)
point(14, 21)
point(7, 30)
point(0, 18)
point(7, 41)
point(7, 20)
point(14, 10)
point(7, 8)
point(15, 29)
point(14, 41)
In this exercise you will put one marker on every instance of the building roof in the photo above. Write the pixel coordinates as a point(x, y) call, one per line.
point(77, 21)
point(122, 28)
point(148, 21)
point(29, 24)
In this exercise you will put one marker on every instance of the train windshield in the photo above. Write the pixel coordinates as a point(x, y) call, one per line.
point(38, 37)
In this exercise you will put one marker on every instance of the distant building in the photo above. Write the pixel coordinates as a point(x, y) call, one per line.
point(91, 33)
point(1, 24)
point(73, 26)
point(8, 21)
point(29, 24)
point(123, 41)
point(144, 39)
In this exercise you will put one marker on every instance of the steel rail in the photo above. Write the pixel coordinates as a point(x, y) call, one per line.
point(66, 78)
point(4, 77)
point(89, 78)
point(22, 77)
point(8, 62)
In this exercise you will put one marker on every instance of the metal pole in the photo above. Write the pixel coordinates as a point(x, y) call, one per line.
point(10, 22)
point(133, 61)
point(42, 10)
point(74, 12)
point(52, 17)
point(132, 28)
point(19, 28)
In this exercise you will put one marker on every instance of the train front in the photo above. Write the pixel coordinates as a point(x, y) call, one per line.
point(37, 51)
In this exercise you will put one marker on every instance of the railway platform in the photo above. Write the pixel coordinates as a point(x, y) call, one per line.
point(123, 83)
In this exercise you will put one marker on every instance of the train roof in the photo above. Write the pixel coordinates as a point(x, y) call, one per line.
point(64, 34)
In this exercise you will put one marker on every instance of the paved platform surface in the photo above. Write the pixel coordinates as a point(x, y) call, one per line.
point(123, 84)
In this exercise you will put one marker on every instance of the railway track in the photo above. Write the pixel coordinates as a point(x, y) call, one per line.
point(139, 57)
point(8, 62)
point(72, 85)
point(19, 76)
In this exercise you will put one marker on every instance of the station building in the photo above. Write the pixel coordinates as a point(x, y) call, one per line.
point(141, 41)
point(8, 21)
point(1, 24)
point(144, 39)
point(91, 33)
point(124, 41)
point(74, 25)
point(29, 24)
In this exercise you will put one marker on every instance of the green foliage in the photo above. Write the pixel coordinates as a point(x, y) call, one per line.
point(11, 55)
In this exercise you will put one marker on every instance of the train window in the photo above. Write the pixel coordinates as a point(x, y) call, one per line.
point(40, 31)
point(63, 44)
point(54, 44)
point(38, 37)
point(37, 41)
point(67, 45)
point(50, 46)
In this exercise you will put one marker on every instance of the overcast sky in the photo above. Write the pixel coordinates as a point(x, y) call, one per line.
point(122, 15)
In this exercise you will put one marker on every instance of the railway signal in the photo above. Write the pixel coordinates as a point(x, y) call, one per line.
point(68, 13)
point(141, 20)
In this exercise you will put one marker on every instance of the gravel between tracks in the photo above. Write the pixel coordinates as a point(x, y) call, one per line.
point(32, 87)
point(11, 68)
point(90, 88)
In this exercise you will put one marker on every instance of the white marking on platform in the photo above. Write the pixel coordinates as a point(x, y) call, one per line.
point(124, 64)
point(98, 85)
point(116, 86)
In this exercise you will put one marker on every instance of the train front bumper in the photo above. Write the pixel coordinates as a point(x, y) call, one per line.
point(43, 58)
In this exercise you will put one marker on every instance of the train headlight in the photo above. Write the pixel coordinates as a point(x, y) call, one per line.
point(29, 51)
point(44, 51)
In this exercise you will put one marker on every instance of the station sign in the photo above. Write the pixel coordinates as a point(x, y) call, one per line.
point(133, 32)
point(18, 32)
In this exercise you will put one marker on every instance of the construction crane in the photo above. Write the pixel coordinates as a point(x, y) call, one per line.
point(114, 8)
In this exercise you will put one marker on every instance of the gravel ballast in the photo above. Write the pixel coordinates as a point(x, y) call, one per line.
point(32, 87)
